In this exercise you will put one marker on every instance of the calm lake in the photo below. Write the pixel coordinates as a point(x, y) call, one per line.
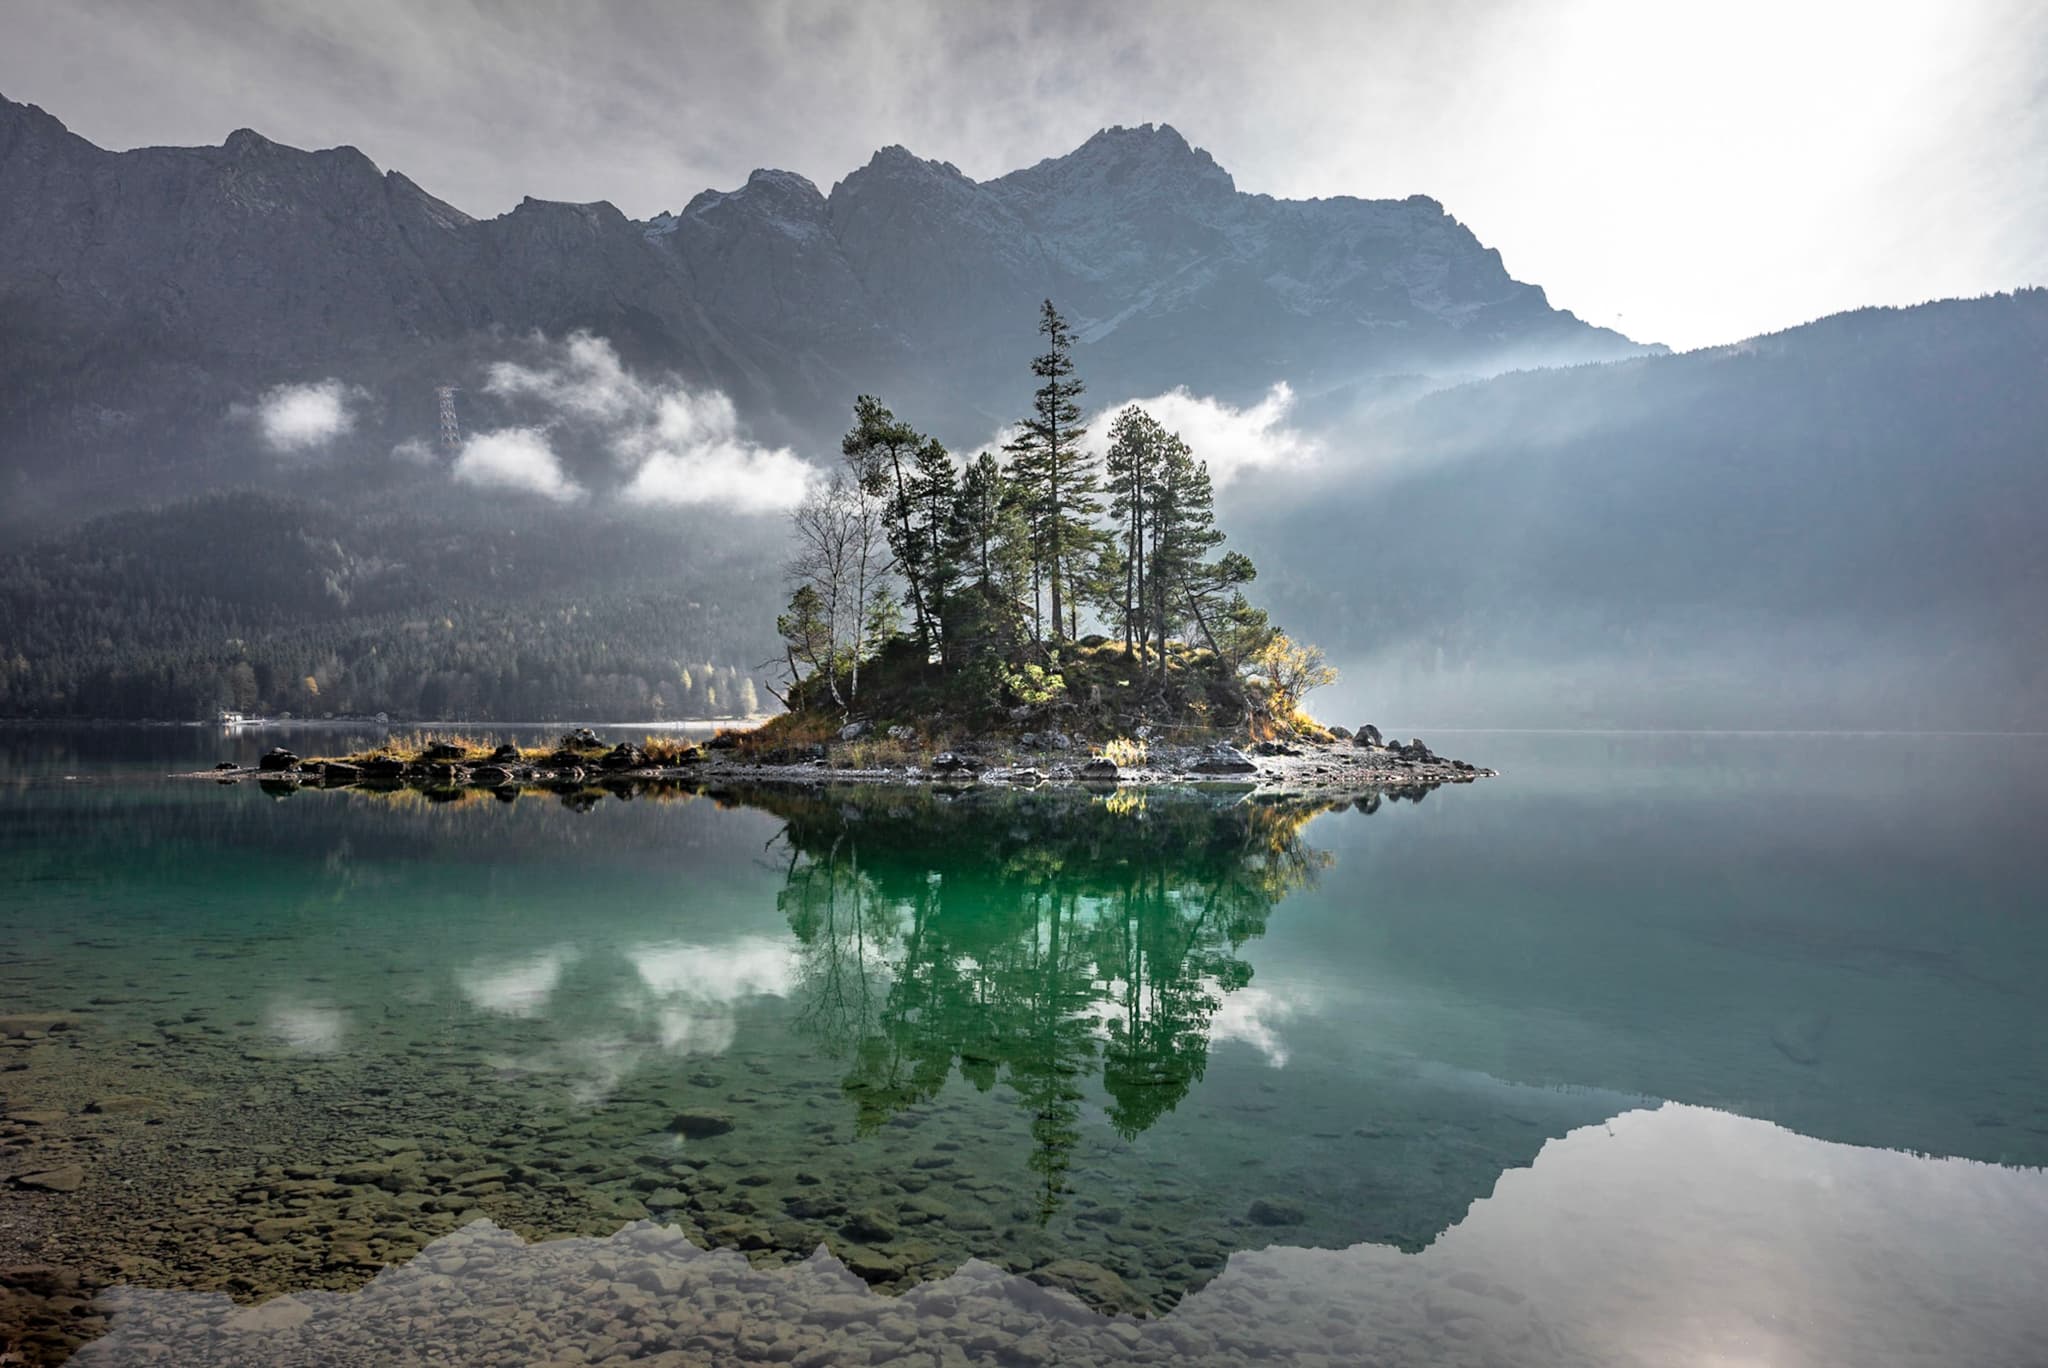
point(1657, 1049)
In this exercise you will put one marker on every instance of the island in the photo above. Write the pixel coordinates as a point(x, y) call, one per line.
point(1039, 612)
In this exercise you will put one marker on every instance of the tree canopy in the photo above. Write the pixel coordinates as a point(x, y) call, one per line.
point(1000, 562)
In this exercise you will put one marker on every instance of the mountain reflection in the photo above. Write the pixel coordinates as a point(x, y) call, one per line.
point(1036, 940)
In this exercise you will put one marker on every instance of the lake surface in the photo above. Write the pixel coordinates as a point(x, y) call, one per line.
point(1697, 1049)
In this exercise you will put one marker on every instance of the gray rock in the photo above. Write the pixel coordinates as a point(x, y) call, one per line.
point(1367, 735)
point(1222, 759)
point(699, 1125)
point(869, 1227)
point(1099, 769)
point(277, 759)
point(68, 1178)
point(1268, 1211)
point(902, 733)
point(854, 731)
point(1093, 1284)
point(952, 762)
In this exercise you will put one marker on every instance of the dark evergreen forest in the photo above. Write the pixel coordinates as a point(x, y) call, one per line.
point(269, 604)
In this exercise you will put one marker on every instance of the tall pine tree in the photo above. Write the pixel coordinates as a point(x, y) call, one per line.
point(1055, 477)
point(1136, 446)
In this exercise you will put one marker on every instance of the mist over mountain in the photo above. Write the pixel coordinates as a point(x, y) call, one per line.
point(145, 293)
point(1490, 512)
point(1837, 525)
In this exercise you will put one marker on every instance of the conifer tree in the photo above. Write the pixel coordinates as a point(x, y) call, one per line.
point(912, 476)
point(1183, 533)
point(1136, 445)
point(985, 559)
point(1055, 475)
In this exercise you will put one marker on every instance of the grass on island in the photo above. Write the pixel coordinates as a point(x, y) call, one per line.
point(1094, 690)
point(413, 747)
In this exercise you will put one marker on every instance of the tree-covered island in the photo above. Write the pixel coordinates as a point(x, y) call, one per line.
point(935, 630)
point(1049, 591)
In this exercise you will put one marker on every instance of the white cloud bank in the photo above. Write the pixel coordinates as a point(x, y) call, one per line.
point(681, 446)
point(302, 418)
point(1232, 440)
point(515, 458)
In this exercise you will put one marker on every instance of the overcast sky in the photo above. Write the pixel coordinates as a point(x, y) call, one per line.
point(1690, 171)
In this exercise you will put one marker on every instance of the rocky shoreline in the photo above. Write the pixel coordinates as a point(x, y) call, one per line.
point(1361, 763)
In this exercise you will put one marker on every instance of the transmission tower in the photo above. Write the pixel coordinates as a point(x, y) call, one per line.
point(451, 428)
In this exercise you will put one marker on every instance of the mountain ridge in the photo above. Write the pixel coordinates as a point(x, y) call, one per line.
point(148, 290)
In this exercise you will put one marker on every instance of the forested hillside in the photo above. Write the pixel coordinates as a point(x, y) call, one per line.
point(271, 604)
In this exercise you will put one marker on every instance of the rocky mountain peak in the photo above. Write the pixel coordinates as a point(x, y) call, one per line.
point(1148, 161)
point(26, 125)
point(909, 277)
point(247, 142)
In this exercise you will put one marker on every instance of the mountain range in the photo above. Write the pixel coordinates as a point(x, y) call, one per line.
point(1490, 511)
point(144, 292)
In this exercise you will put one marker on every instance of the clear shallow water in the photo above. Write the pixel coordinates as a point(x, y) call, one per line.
point(1243, 1069)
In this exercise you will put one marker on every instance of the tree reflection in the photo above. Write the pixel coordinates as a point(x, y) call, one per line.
point(1031, 939)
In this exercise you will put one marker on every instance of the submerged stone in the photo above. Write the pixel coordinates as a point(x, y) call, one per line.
point(699, 1125)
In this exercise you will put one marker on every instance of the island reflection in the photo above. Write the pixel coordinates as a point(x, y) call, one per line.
point(1035, 940)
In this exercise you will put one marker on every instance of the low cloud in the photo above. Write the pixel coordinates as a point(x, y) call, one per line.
point(1233, 440)
point(682, 446)
point(517, 458)
point(293, 419)
point(413, 451)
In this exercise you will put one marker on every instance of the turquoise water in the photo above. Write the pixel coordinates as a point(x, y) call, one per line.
point(1638, 1040)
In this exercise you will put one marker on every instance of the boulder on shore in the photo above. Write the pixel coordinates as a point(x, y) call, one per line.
point(1100, 769)
point(854, 731)
point(277, 758)
point(1224, 759)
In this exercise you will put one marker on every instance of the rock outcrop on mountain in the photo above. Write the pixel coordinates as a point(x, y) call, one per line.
point(144, 292)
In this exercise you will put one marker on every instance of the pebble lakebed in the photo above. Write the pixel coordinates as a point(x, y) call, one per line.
point(150, 1146)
